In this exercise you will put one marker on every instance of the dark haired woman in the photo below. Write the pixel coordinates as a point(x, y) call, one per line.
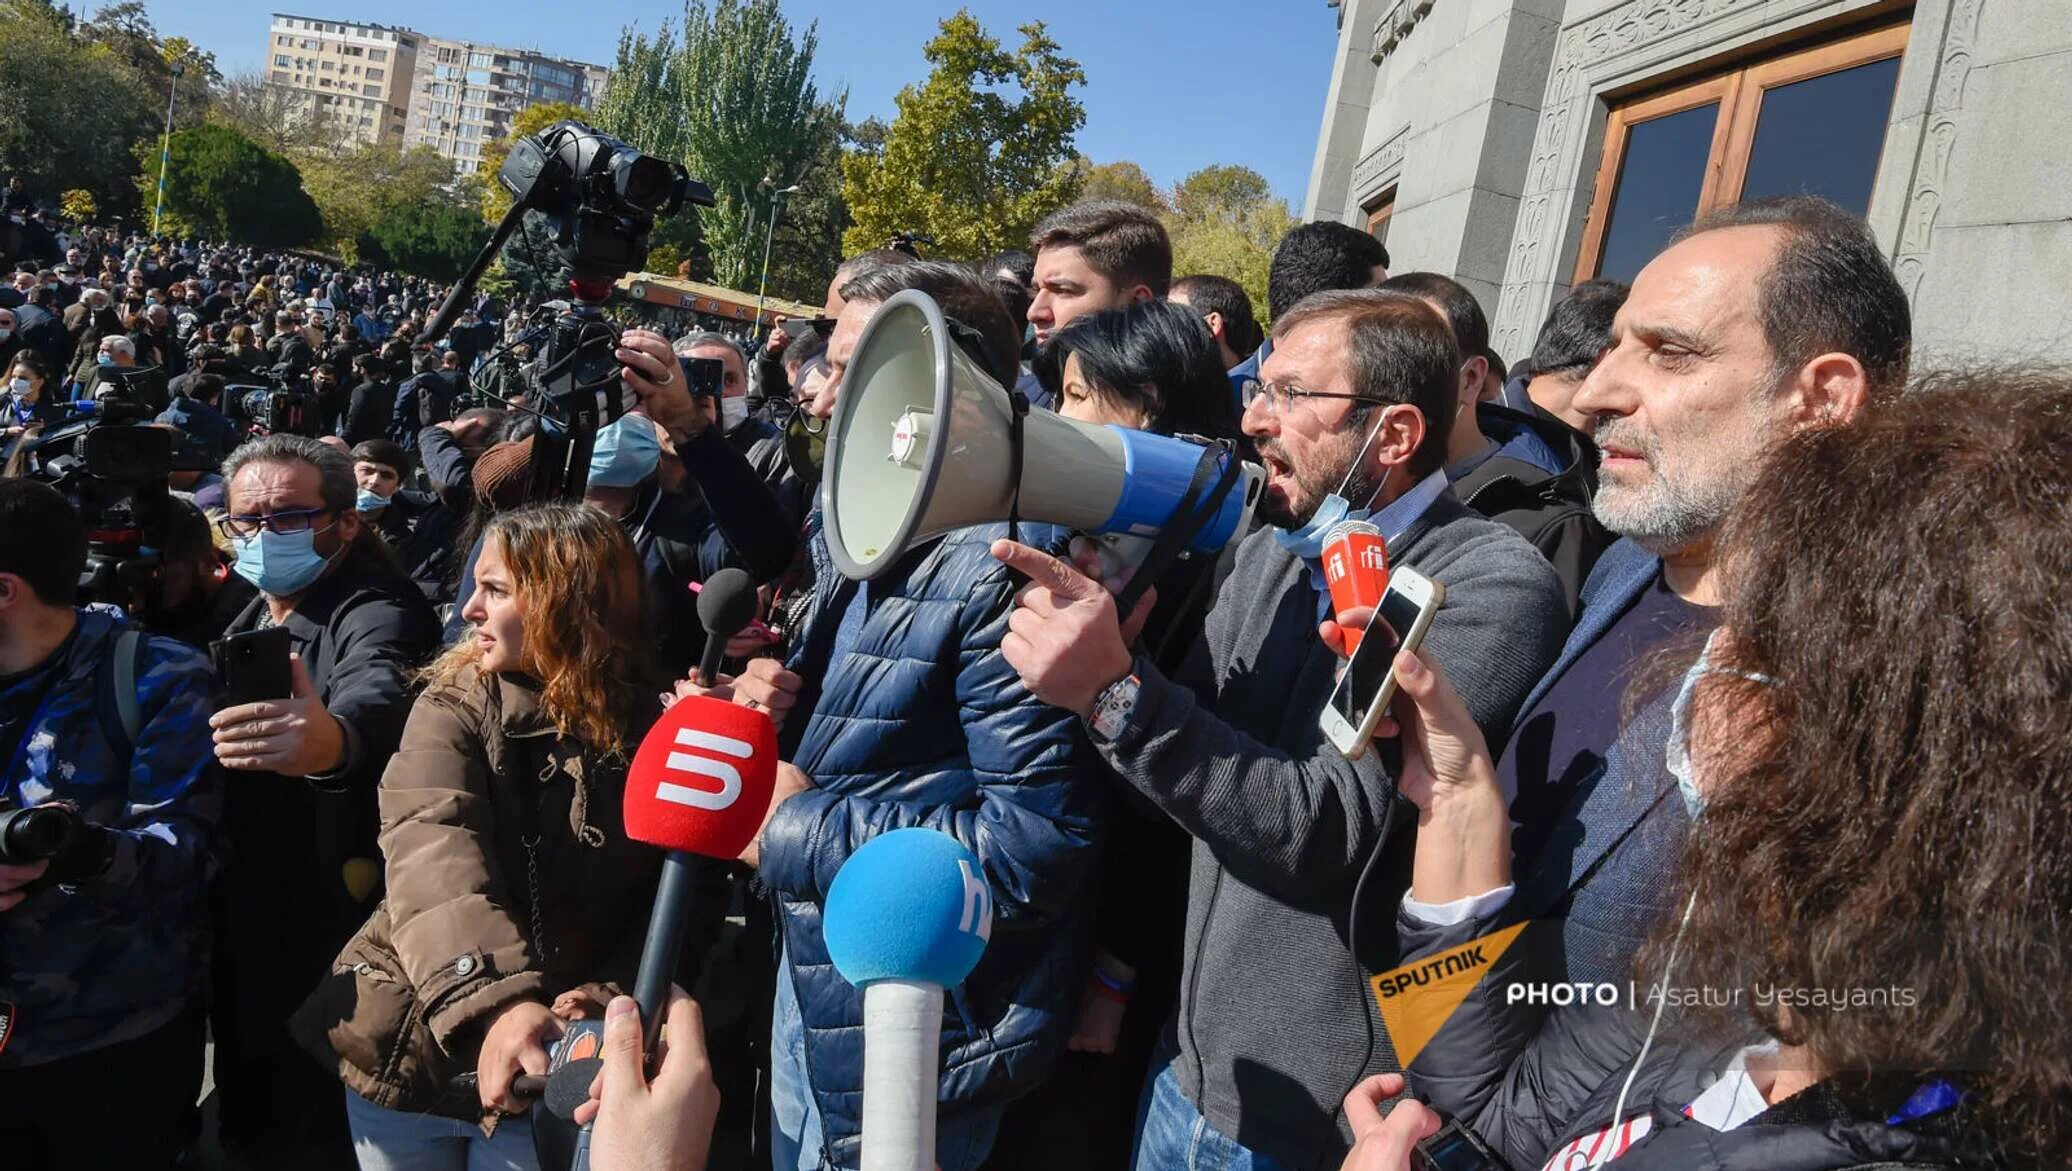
point(1153, 367)
point(514, 899)
point(1871, 966)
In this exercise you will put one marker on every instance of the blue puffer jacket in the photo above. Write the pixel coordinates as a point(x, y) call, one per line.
point(923, 723)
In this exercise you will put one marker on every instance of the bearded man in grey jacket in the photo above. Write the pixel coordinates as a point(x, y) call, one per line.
point(1275, 1021)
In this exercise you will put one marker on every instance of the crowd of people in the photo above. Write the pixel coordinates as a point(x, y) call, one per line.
point(1747, 699)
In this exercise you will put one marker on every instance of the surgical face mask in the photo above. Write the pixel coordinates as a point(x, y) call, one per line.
point(1307, 542)
point(371, 501)
point(20, 386)
point(5, 334)
point(1677, 754)
point(804, 446)
point(280, 564)
point(99, 359)
point(625, 453)
point(733, 412)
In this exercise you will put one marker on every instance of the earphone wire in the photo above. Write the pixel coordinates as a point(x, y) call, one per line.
point(1604, 1155)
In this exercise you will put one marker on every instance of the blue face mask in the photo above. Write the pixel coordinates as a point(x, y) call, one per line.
point(371, 501)
point(625, 453)
point(1307, 542)
point(103, 360)
point(1677, 753)
point(280, 564)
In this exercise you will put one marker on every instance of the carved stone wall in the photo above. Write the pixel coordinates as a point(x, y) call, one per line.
point(1620, 46)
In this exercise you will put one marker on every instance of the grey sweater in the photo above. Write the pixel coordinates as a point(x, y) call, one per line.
point(1274, 1020)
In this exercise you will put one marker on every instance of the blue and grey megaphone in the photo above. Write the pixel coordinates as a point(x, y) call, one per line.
point(920, 445)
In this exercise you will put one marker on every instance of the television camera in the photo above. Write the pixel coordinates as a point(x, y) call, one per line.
point(115, 470)
point(601, 196)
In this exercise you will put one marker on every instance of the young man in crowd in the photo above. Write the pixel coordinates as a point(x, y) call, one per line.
point(1313, 258)
point(1224, 305)
point(105, 940)
point(1528, 472)
point(1274, 1015)
point(1101, 254)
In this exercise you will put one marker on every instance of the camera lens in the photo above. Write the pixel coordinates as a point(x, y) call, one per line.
point(643, 179)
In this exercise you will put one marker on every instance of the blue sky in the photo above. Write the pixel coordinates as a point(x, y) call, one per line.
point(1172, 84)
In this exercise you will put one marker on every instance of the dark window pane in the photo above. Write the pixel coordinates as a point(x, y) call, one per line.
point(1821, 136)
point(1659, 181)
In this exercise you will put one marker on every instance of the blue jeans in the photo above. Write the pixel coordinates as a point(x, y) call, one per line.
point(962, 1140)
point(1173, 1136)
point(396, 1140)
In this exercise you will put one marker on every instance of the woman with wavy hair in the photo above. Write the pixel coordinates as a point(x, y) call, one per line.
point(1872, 963)
point(514, 899)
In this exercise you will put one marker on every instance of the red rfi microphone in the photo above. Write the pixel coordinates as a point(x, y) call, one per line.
point(700, 784)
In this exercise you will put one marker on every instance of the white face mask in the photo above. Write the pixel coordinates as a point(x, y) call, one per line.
point(20, 386)
point(732, 412)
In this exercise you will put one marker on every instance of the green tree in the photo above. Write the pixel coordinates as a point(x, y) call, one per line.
point(124, 30)
point(224, 185)
point(357, 186)
point(1226, 221)
point(1122, 180)
point(435, 239)
point(976, 153)
point(69, 111)
point(732, 98)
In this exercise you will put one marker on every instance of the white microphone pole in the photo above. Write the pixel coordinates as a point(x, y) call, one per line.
point(902, 1048)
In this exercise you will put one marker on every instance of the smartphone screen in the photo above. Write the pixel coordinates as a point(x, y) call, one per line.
point(1370, 664)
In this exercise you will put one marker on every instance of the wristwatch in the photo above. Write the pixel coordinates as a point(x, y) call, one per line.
point(1114, 706)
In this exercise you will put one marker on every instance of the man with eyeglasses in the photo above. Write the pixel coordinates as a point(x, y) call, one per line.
point(303, 771)
point(1275, 1023)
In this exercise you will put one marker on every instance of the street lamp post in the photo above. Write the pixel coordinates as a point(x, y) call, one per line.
point(165, 144)
point(769, 236)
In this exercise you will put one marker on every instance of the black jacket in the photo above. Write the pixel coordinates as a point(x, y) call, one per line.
point(369, 412)
point(1551, 511)
point(1531, 1081)
point(299, 881)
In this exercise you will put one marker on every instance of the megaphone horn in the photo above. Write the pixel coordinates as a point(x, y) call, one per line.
point(921, 444)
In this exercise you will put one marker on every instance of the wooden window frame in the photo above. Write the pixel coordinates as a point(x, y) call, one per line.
point(1739, 92)
point(1382, 210)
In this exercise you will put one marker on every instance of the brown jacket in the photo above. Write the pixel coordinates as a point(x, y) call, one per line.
point(458, 936)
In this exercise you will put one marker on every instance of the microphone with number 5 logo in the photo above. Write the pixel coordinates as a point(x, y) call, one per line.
point(907, 916)
point(699, 784)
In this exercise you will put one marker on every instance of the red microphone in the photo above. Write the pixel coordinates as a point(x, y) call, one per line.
point(700, 784)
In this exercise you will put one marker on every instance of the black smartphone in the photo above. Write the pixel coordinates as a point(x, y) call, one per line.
point(707, 376)
point(254, 666)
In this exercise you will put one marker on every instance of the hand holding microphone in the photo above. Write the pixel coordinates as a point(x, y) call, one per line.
point(907, 916)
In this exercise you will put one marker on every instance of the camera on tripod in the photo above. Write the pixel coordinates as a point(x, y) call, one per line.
point(602, 197)
point(116, 474)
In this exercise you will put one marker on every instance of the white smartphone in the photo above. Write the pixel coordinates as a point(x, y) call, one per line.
point(1369, 681)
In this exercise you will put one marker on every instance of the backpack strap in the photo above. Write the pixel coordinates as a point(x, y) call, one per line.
point(115, 692)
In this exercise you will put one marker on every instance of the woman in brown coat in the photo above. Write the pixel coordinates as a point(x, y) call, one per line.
point(514, 899)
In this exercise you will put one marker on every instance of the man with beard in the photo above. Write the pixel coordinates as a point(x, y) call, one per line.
point(1758, 320)
point(1351, 419)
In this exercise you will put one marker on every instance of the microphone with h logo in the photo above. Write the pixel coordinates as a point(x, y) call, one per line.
point(907, 916)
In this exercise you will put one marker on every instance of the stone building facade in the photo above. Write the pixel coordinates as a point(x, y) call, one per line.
point(1523, 145)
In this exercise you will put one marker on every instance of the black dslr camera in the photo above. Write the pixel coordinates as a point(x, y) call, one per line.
point(602, 197)
point(115, 473)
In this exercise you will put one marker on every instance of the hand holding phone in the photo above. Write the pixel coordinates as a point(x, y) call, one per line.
point(254, 666)
point(1368, 683)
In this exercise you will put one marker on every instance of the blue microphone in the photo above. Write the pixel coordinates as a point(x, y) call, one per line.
point(907, 916)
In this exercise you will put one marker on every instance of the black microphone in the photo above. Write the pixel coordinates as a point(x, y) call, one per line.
point(726, 605)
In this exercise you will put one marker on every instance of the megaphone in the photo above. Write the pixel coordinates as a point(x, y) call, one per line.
point(922, 443)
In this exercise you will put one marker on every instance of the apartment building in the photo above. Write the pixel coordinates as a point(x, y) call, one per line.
point(358, 73)
point(464, 94)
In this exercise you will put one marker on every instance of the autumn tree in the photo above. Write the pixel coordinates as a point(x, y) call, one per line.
point(1226, 220)
point(976, 153)
point(356, 186)
point(1125, 181)
point(731, 97)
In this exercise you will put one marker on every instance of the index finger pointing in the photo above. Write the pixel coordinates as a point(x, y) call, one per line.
point(1047, 571)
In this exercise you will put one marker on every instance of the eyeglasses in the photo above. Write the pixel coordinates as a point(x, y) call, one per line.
point(297, 520)
point(1279, 395)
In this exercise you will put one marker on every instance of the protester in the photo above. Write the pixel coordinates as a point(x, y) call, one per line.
point(105, 940)
point(1312, 258)
point(1532, 475)
point(1825, 854)
point(1225, 306)
point(303, 770)
point(976, 758)
point(1153, 367)
point(505, 843)
point(1758, 320)
point(196, 409)
point(1576, 333)
point(1101, 254)
point(1351, 420)
point(371, 409)
point(23, 402)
